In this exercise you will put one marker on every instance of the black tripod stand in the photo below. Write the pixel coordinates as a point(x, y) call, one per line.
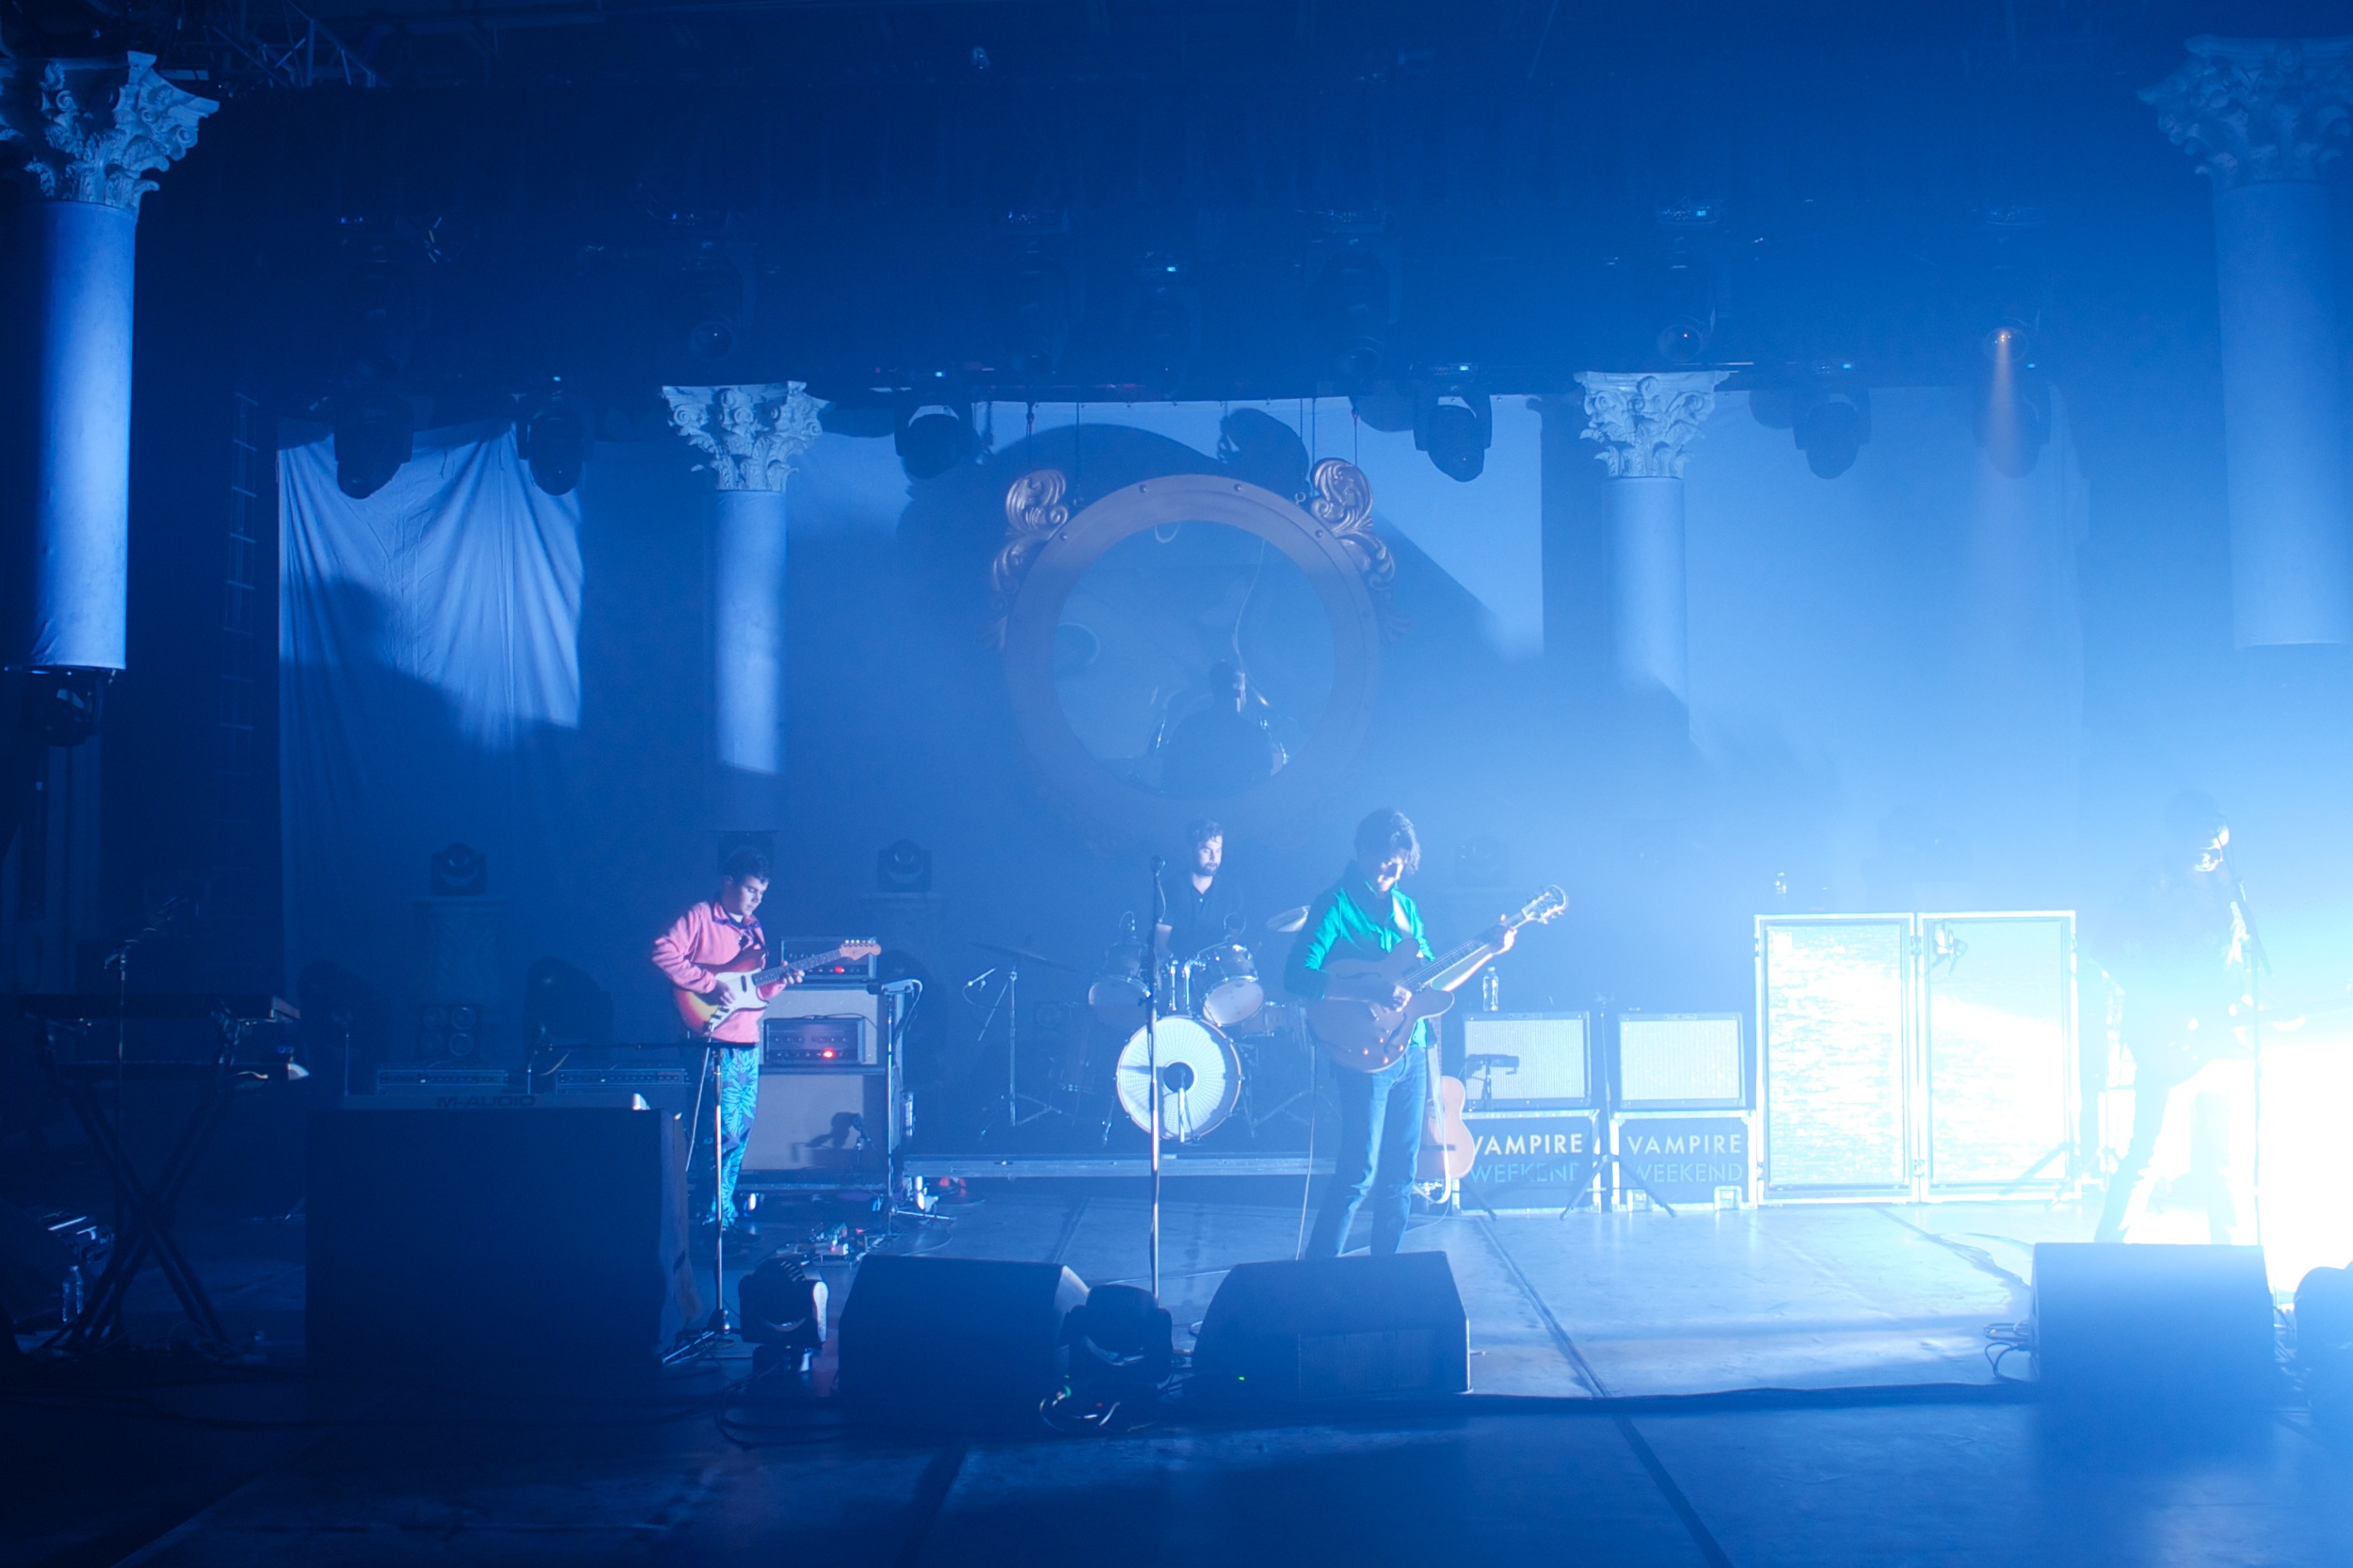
point(1611, 1173)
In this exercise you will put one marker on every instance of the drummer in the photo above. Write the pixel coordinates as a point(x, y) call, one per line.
point(1204, 906)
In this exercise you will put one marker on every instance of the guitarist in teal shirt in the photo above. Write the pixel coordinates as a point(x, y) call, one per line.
point(1366, 915)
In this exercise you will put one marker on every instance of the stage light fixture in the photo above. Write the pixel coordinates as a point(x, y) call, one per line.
point(375, 435)
point(933, 439)
point(783, 1310)
point(64, 707)
point(1455, 427)
point(1832, 422)
point(553, 438)
point(1122, 1345)
point(903, 867)
point(1691, 291)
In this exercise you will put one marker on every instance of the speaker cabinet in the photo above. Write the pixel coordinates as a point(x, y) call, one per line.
point(1335, 1328)
point(2137, 1325)
point(954, 1338)
point(521, 1240)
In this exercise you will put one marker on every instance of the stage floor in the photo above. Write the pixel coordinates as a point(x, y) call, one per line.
point(1702, 1301)
point(200, 1474)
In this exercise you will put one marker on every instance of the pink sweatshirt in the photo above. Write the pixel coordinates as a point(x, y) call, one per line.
point(703, 938)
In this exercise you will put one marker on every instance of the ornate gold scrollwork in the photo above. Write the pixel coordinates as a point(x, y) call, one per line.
point(1034, 513)
point(1343, 504)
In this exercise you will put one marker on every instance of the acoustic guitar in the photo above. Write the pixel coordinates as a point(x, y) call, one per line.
point(1368, 1037)
point(1447, 1150)
point(739, 981)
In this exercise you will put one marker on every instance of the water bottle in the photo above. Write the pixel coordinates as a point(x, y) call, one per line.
point(71, 1295)
point(1490, 990)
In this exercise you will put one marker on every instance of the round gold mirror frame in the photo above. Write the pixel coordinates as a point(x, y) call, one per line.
point(1331, 540)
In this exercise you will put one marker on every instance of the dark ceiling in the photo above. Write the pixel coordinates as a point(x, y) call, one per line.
point(1159, 198)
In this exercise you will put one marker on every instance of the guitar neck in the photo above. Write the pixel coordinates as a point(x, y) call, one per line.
point(775, 972)
point(1452, 958)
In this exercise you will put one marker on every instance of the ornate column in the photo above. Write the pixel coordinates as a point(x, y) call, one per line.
point(748, 436)
point(1643, 424)
point(86, 132)
point(2261, 118)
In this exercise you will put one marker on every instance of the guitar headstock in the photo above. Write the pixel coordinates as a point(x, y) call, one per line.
point(1547, 905)
point(860, 950)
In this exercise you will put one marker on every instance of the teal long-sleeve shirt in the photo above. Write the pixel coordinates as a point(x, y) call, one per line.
point(1351, 920)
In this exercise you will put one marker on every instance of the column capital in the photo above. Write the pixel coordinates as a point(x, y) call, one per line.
point(1643, 422)
point(750, 433)
point(2254, 109)
point(93, 130)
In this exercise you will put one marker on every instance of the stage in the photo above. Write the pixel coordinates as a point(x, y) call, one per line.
point(1892, 1443)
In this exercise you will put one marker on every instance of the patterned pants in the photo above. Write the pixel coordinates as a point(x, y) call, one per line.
point(738, 1101)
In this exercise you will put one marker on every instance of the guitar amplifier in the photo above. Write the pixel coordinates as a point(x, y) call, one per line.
point(443, 1081)
point(1532, 1061)
point(835, 973)
point(818, 1026)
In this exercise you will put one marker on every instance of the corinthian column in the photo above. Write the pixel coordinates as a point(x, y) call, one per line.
point(87, 133)
point(748, 436)
point(1643, 424)
point(2262, 118)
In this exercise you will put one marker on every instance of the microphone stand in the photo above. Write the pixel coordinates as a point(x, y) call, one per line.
point(1152, 1061)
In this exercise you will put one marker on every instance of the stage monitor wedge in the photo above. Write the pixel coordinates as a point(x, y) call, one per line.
point(2149, 1327)
point(1336, 1328)
point(956, 1340)
point(535, 1241)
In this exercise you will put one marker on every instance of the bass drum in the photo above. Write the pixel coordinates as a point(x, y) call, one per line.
point(1200, 1079)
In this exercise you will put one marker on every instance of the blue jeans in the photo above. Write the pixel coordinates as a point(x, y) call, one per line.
point(1381, 1124)
point(738, 1101)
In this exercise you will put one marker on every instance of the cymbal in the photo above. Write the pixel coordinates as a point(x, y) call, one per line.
point(1289, 920)
point(1026, 957)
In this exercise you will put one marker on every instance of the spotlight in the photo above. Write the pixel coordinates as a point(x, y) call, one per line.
point(64, 707)
point(707, 302)
point(1832, 424)
point(2010, 341)
point(783, 1309)
point(553, 438)
point(1121, 1345)
point(934, 439)
point(1690, 289)
point(374, 434)
point(903, 867)
point(1455, 428)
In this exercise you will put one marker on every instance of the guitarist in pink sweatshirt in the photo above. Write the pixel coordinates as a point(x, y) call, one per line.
point(711, 936)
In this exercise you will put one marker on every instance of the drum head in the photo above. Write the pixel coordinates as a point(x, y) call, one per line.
point(1200, 1079)
point(1232, 1002)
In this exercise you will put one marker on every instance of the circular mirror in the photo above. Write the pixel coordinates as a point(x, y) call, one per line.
point(1191, 642)
point(1193, 659)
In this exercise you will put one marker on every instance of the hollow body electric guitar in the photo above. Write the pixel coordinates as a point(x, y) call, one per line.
point(739, 981)
point(1368, 1036)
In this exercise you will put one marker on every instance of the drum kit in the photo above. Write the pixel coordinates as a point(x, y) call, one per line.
point(1211, 1012)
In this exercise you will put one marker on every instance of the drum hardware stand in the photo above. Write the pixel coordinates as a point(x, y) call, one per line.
point(1254, 1118)
point(1152, 1064)
point(1010, 1111)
